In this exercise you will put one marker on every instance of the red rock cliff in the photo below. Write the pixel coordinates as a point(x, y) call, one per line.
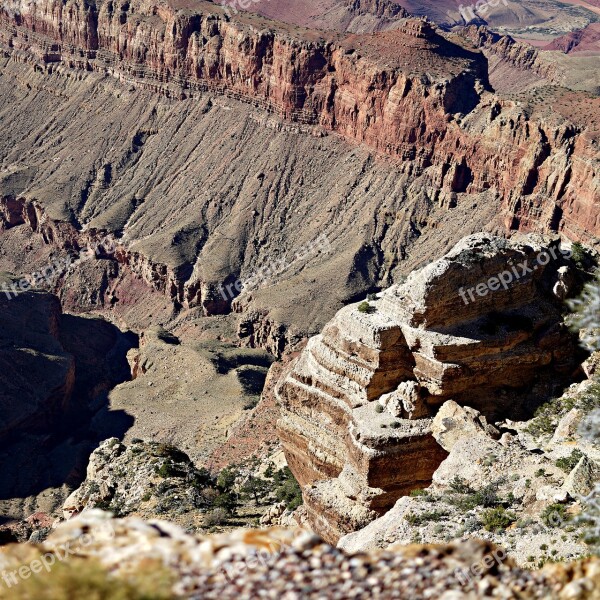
point(412, 94)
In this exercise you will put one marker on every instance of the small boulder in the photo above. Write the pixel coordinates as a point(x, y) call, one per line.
point(454, 422)
point(567, 426)
point(582, 479)
point(406, 402)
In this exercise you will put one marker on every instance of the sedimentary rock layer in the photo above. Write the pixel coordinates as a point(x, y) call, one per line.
point(409, 93)
point(357, 403)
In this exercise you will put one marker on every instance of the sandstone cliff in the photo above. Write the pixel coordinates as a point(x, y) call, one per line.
point(357, 404)
point(391, 91)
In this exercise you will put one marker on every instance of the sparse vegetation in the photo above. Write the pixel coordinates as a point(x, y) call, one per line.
point(497, 519)
point(425, 517)
point(554, 515)
point(365, 307)
point(568, 463)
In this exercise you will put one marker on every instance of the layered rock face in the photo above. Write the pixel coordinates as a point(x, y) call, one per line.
point(357, 404)
point(409, 93)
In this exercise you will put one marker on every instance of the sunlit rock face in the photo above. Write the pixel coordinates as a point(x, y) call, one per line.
point(481, 326)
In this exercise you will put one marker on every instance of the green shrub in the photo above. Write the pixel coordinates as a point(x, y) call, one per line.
point(365, 307)
point(554, 515)
point(460, 486)
point(379, 408)
point(548, 415)
point(497, 519)
point(568, 463)
point(227, 478)
point(227, 501)
point(486, 497)
point(425, 517)
point(579, 254)
point(289, 491)
point(168, 469)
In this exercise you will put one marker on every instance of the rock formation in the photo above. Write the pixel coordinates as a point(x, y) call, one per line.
point(534, 478)
point(357, 404)
point(414, 95)
point(144, 478)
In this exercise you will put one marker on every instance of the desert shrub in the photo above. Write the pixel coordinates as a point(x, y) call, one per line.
point(554, 515)
point(288, 489)
point(497, 519)
point(579, 254)
point(568, 463)
point(365, 307)
point(485, 497)
point(548, 415)
point(217, 516)
point(425, 517)
point(227, 501)
point(418, 492)
point(227, 478)
point(87, 579)
point(169, 469)
point(460, 486)
point(379, 408)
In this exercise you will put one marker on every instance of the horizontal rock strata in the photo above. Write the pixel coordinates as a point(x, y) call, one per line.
point(409, 93)
point(357, 403)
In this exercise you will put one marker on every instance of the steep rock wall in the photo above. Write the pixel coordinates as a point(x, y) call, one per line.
point(409, 93)
point(357, 404)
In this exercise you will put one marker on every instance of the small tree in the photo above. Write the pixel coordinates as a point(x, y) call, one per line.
point(227, 477)
point(256, 488)
point(365, 307)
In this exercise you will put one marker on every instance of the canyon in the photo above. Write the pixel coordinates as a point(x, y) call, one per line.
point(214, 193)
point(418, 103)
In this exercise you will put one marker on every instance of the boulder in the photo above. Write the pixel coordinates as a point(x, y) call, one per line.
point(454, 422)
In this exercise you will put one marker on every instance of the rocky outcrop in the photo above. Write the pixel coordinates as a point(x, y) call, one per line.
point(144, 478)
point(509, 478)
point(519, 55)
point(584, 40)
point(357, 405)
point(409, 93)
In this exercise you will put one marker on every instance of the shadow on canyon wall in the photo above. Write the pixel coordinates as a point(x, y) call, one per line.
point(56, 372)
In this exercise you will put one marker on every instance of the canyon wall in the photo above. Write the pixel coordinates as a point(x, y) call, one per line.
point(408, 93)
point(419, 134)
